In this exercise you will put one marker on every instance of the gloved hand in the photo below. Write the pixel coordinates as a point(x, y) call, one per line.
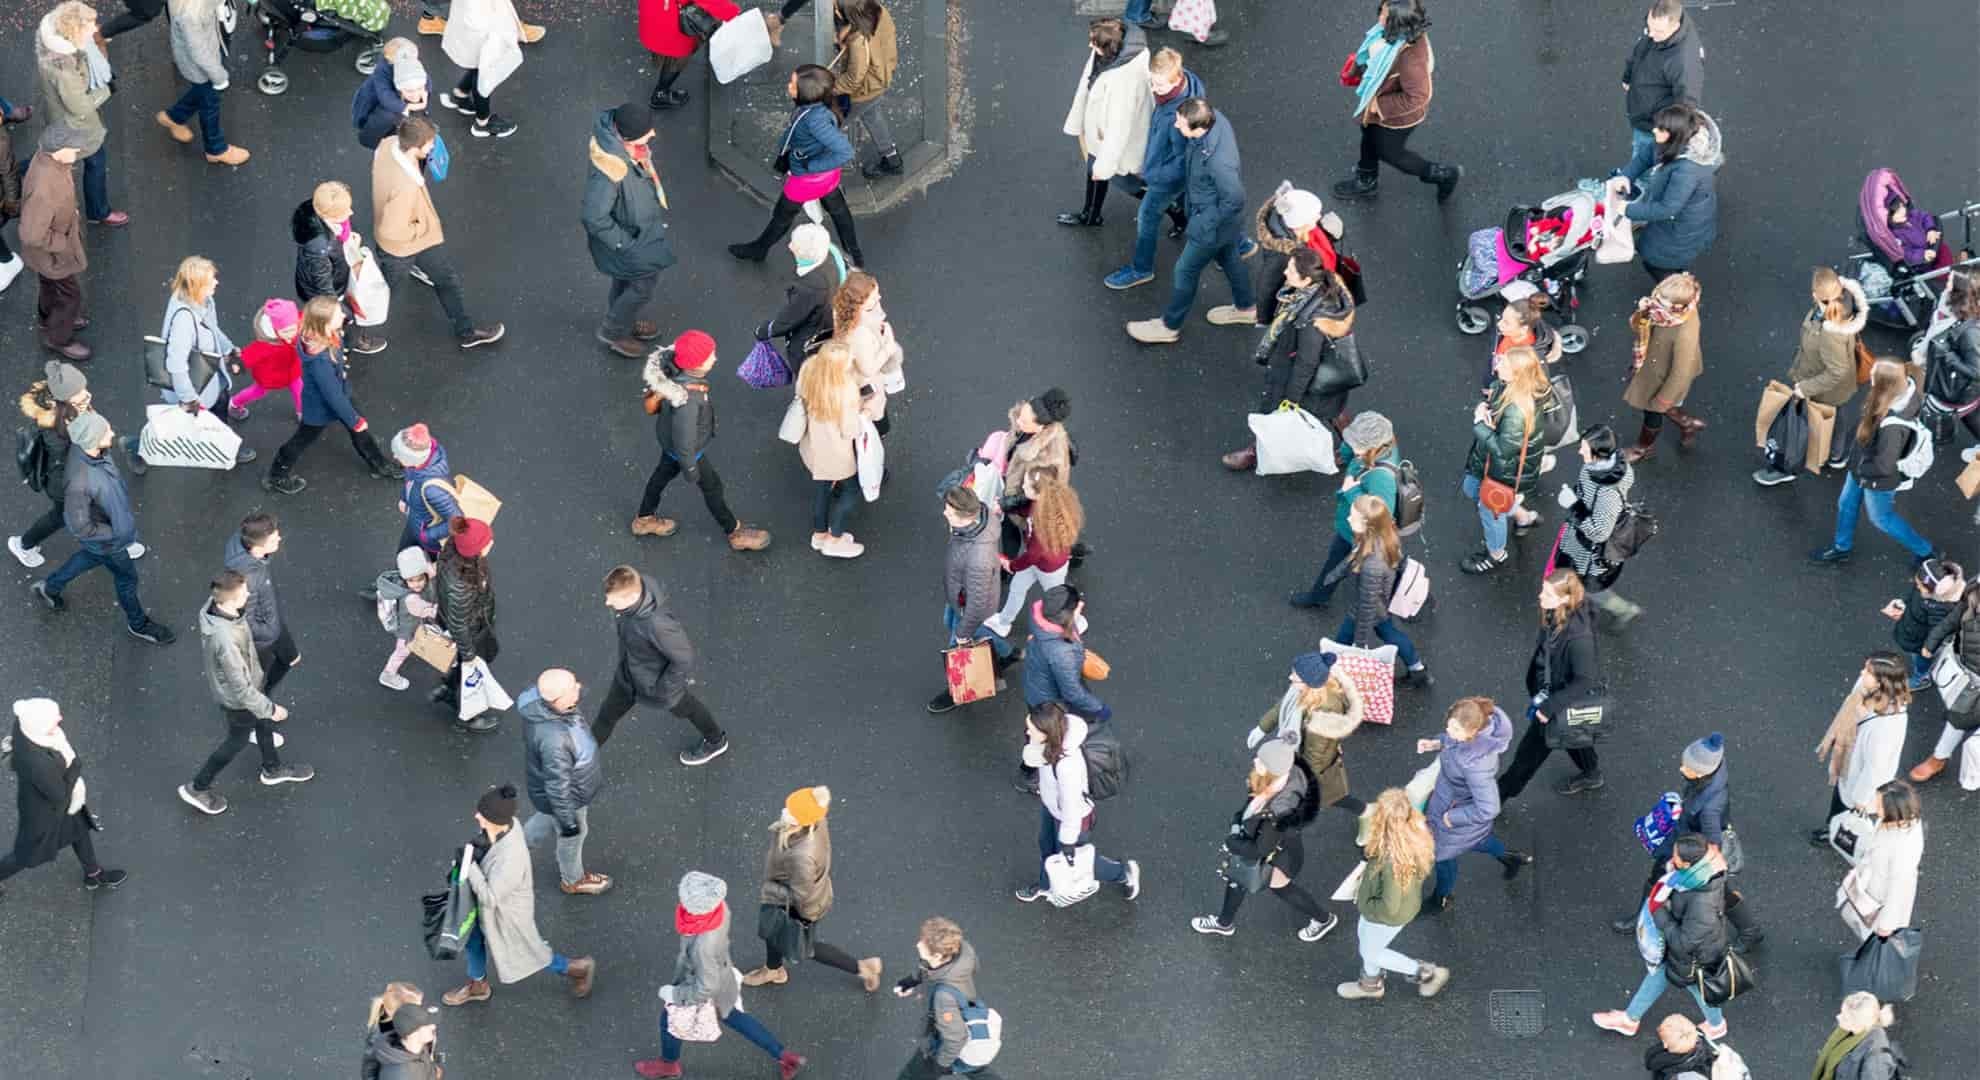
point(667, 994)
point(568, 833)
point(1567, 497)
point(1252, 740)
point(1106, 713)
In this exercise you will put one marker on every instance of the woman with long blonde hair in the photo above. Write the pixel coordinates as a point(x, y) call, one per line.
point(1885, 433)
point(1399, 854)
point(192, 337)
point(861, 324)
point(1503, 427)
point(1050, 531)
point(326, 400)
point(1376, 559)
point(797, 892)
point(1865, 742)
point(378, 1027)
point(828, 388)
point(1563, 673)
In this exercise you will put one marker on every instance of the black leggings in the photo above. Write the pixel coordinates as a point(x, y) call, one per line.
point(1096, 193)
point(1653, 421)
point(830, 955)
point(85, 850)
point(1379, 144)
point(1533, 750)
point(1292, 894)
point(786, 212)
point(465, 90)
point(670, 73)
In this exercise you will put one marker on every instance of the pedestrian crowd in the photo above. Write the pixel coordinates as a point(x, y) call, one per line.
point(1014, 521)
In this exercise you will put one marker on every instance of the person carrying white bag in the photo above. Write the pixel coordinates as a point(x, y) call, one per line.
point(467, 613)
point(1070, 867)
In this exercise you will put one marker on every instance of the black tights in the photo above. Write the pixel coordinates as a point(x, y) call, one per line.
point(465, 91)
point(85, 850)
point(1291, 893)
point(830, 955)
point(1096, 195)
point(670, 73)
point(785, 213)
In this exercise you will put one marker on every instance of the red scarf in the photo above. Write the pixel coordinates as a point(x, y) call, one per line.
point(687, 922)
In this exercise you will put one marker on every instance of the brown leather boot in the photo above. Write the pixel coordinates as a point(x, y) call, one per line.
point(1927, 770)
point(1646, 445)
point(1688, 428)
point(580, 973)
point(1243, 460)
point(745, 538)
point(475, 990)
point(648, 525)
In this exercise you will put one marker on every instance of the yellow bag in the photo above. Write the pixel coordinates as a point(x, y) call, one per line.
point(476, 502)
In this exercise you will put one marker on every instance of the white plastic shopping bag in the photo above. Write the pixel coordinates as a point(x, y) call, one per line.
point(173, 437)
point(1291, 439)
point(1618, 237)
point(1969, 764)
point(1351, 884)
point(480, 692)
point(741, 46)
point(370, 297)
point(1071, 881)
point(871, 454)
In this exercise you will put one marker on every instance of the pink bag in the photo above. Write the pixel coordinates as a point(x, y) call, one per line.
point(809, 186)
point(1373, 672)
point(1193, 17)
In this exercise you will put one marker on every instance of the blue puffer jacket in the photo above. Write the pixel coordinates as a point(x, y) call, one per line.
point(377, 108)
point(1162, 163)
point(1707, 810)
point(1052, 673)
point(1680, 203)
point(1213, 188)
point(428, 509)
point(326, 389)
point(817, 145)
point(96, 506)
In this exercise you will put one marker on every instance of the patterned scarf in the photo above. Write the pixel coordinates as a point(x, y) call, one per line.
point(1653, 311)
point(1291, 303)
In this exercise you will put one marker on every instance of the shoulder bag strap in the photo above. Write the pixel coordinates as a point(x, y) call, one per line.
point(791, 132)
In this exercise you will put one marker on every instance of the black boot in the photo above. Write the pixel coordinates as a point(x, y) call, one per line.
point(1445, 177)
point(1359, 185)
point(1514, 862)
point(1089, 211)
point(664, 95)
point(888, 165)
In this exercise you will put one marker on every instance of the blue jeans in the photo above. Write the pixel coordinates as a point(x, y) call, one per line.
point(1148, 226)
point(1642, 155)
point(96, 184)
point(1654, 984)
point(121, 568)
point(951, 619)
point(1139, 11)
point(477, 957)
point(203, 99)
point(1104, 869)
point(832, 504)
point(1883, 514)
point(737, 1021)
point(1388, 632)
point(1494, 524)
point(1189, 269)
point(1446, 869)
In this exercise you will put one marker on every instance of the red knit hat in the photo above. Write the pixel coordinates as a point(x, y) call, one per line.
point(693, 350)
point(472, 537)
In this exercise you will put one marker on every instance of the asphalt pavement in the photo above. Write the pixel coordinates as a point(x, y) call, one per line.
point(247, 945)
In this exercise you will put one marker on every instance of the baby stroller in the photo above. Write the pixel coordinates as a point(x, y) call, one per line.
point(1547, 245)
point(1902, 297)
point(320, 26)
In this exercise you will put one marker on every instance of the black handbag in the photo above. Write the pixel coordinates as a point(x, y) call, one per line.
point(1341, 370)
point(779, 929)
point(1246, 874)
point(1577, 727)
point(448, 918)
point(698, 23)
point(1733, 977)
point(200, 366)
point(1349, 270)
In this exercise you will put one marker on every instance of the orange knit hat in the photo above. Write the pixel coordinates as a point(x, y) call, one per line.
point(806, 806)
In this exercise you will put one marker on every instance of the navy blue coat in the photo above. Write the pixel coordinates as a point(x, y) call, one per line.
point(624, 223)
point(326, 389)
point(1707, 810)
point(96, 507)
point(1052, 673)
point(816, 143)
point(1680, 204)
point(1162, 162)
point(377, 108)
point(428, 509)
point(1213, 189)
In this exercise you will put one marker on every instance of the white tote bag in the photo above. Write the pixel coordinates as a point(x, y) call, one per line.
point(871, 455)
point(1849, 833)
point(1351, 884)
point(1969, 764)
point(370, 297)
point(791, 430)
point(1071, 881)
point(480, 692)
point(741, 46)
point(1291, 439)
point(175, 438)
point(1618, 238)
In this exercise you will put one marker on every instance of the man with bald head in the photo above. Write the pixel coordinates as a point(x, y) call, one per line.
point(561, 758)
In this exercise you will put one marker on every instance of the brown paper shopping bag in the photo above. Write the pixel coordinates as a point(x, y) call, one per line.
point(434, 647)
point(1969, 479)
point(476, 502)
point(1771, 399)
point(1821, 434)
point(968, 670)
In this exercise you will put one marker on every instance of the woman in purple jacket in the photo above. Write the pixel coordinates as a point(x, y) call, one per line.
point(1465, 801)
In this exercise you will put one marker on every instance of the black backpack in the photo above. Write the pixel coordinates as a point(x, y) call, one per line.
point(31, 457)
point(1409, 497)
point(1106, 761)
point(1787, 437)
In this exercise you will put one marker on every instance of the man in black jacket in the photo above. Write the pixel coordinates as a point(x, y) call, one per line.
point(655, 659)
point(561, 762)
point(678, 375)
point(247, 554)
point(625, 224)
point(318, 225)
point(1667, 67)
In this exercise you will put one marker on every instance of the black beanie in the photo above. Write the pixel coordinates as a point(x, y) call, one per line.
point(632, 120)
point(498, 805)
point(1052, 406)
point(1058, 602)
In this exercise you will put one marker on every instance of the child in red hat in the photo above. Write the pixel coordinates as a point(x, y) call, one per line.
point(678, 374)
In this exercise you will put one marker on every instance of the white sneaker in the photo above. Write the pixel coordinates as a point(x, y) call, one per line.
point(842, 547)
point(1967, 455)
point(10, 270)
point(998, 625)
point(136, 550)
point(254, 739)
point(29, 557)
point(392, 680)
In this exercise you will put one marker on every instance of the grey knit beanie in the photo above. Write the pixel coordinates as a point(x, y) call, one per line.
point(88, 429)
point(64, 380)
point(1704, 755)
point(702, 893)
point(1367, 431)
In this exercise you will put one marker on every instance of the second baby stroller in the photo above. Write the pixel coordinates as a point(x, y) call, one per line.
point(1548, 245)
point(320, 26)
point(1904, 291)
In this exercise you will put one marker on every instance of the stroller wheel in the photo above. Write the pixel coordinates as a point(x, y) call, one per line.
point(1573, 339)
point(273, 81)
point(367, 61)
point(1472, 319)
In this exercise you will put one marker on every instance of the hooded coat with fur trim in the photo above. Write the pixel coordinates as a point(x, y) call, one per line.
point(1318, 739)
point(1111, 107)
point(65, 88)
point(624, 211)
point(1679, 207)
point(320, 266)
point(1825, 360)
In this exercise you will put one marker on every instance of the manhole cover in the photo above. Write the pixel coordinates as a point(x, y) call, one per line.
point(1518, 1014)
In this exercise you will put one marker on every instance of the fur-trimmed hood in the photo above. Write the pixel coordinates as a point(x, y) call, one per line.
point(32, 408)
point(1337, 725)
point(658, 375)
point(1705, 148)
point(1860, 311)
point(612, 165)
point(50, 40)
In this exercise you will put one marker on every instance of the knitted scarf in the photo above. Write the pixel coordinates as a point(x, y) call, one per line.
point(686, 922)
point(1375, 56)
point(1837, 1047)
point(1292, 303)
point(1652, 311)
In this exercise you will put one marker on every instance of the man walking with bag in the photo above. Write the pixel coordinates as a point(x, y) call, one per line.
point(655, 660)
point(624, 222)
point(561, 766)
point(97, 509)
point(406, 227)
point(234, 675)
point(1213, 197)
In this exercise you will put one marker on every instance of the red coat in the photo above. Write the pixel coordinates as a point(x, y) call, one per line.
point(660, 25)
point(274, 364)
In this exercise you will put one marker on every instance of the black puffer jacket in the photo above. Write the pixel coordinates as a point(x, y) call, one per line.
point(1952, 363)
point(467, 613)
point(320, 266)
point(655, 656)
point(1665, 1065)
point(1375, 582)
point(1564, 665)
point(1661, 73)
point(1288, 811)
point(807, 310)
point(1694, 927)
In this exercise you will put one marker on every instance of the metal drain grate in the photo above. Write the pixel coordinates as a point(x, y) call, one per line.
point(1518, 1014)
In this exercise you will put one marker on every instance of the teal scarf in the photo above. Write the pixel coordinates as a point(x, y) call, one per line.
point(1376, 55)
